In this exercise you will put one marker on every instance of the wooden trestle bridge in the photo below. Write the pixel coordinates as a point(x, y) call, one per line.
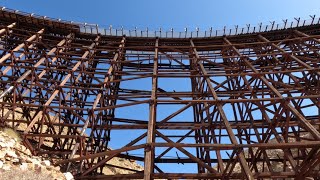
point(243, 96)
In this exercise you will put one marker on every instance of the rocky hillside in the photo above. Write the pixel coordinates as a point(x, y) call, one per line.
point(277, 154)
point(12, 143)
point(17, 162)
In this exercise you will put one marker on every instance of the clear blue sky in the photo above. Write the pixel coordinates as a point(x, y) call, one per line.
point(169, 13)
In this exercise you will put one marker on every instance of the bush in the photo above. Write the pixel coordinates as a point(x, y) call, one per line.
point(12, 133)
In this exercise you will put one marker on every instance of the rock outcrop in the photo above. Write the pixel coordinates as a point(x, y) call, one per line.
point(114, 166)
point(17, 162)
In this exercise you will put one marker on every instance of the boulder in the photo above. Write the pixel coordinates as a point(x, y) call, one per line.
point(46, 163)
point(6, 167)
point(28, 160)
point(68, 176)
point(11, 143)
point(12, 154)
point(24, 166)
point(30, 166)
point(57, 168)
point(2, 154)
point(15, 160)
point(35, 162)
point(3, 145)
point(43, 169)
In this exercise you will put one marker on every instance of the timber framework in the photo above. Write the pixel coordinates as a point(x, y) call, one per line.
point(220, 103)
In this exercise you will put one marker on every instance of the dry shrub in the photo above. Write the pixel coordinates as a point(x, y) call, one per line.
point(12, 133)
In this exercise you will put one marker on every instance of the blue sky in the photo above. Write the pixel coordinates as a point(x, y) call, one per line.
point(168, 14)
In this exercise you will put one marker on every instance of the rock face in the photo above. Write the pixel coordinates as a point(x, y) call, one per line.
point(277, 153)
point(17, 162)
point(114, 166)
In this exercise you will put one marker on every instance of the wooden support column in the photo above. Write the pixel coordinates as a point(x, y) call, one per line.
point(76, 146)
point(233, 139)
point(96, 101)
point(51, 52)
point(149, 151)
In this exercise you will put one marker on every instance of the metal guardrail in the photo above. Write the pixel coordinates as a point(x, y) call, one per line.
point(95, 29)
point(110, 31)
